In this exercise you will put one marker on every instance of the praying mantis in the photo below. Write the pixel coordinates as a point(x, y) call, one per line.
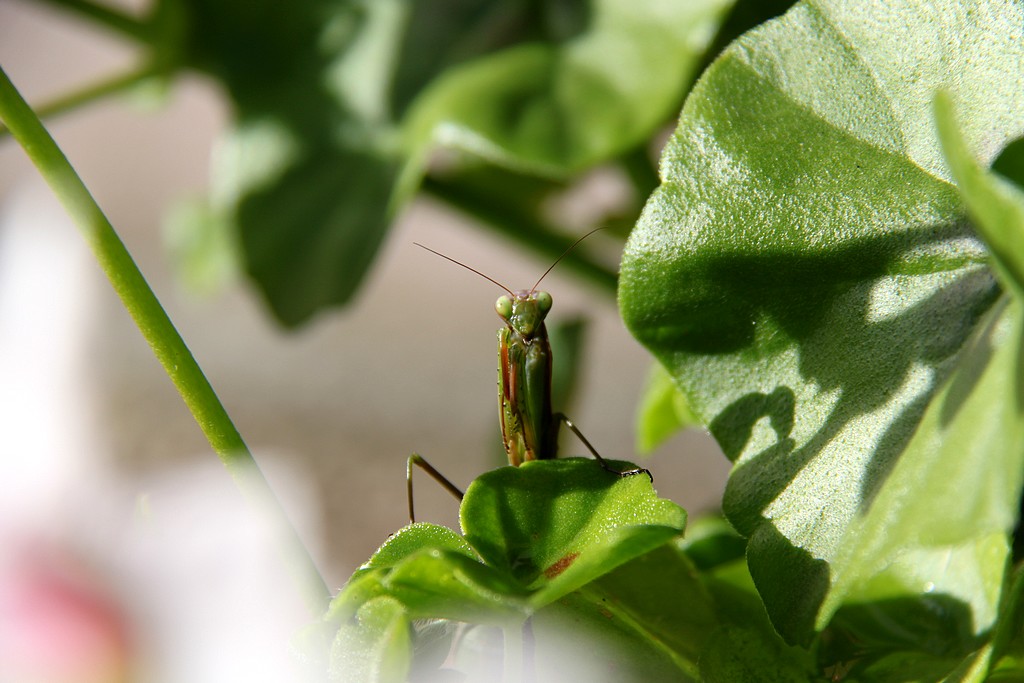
point(529, 428)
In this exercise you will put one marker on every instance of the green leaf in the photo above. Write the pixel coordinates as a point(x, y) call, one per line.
point(973, 669)
point(370, 580)
point(898, 667)
point(663, 411)
point(739, 653)
point(310, 238)
point(996, 205)
point(338, 81)
point(1008, 640)
point(558, 106)
point(711, 541)
point(663, 599)
point(449, 585)
point(806, 273)
point(580, 638)
point(644, 621)
point(201, 246)
point(947, 539)
point(376, 647)
point(443, 33)
point(542, 531)
point(555, 525)
point(305, 174)
point(412, 539)
point(745, 641)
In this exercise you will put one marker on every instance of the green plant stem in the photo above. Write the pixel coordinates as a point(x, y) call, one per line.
point(126, 25)
point(156, 327)
point(86, 95)
point(523, 229)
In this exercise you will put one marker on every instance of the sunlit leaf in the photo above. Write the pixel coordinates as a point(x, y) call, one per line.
point(807, 273)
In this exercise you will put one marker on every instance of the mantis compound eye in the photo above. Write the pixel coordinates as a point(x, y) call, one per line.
point(504, 307)
point(543, 302)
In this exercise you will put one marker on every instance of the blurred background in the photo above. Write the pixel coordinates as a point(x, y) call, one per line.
point(108, 488)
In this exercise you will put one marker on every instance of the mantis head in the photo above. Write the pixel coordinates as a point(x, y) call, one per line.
point(524, 311)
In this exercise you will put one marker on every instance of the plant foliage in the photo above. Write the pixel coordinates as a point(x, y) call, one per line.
point(829, 270)
point(816, 273)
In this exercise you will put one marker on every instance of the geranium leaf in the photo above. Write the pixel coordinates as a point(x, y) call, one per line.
point(807, 273)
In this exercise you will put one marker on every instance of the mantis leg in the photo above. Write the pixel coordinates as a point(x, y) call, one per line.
point(561, 418)
point(419, 461)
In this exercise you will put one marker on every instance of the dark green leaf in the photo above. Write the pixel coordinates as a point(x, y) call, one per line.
point(1008, 640)
point(973, 669)
point(310, 237)
point(807, 274)
point(566, 83)
point(738, 654)
point(898, 667)
point(1010, 162)
point(743, 620)
point(580, 638)
point(663, 598)
point(306, 174)
point(1009, 670)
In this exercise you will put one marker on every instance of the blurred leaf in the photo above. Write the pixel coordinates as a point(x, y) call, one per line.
point(973, 669)
point(310, 82)
point(444, 33)
point(375, 648)
point(337, 79)
point(805, 271)
point(555, 107)
point(311, 237)
point(663, 411)
point(200, 245)
point(644, 621)
point(743, 622)
point(711, 541)
point(568, 342)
